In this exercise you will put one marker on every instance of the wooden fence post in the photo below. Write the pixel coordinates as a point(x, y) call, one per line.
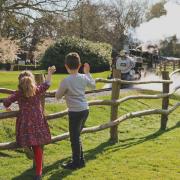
point(164, 66)
point(174, 65)
point(165, 100)
point(160, 67)
point(114, 108)
point(178, 64)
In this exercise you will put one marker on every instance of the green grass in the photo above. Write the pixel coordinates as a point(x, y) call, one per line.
point(143, 152)
point(10, 79)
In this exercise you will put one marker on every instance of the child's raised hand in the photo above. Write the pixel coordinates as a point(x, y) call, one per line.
point(86, 68)
point(51, 69)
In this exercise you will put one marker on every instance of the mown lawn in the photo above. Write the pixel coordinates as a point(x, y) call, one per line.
point(10, 79)
point(143, 152)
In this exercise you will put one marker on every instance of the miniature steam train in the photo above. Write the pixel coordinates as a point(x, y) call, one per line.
point(132, 64)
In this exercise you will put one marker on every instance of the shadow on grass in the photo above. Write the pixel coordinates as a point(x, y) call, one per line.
point(55, 169)
point(140, 140)
point(60, 173)
point(4, 155)
point(57, 172)
point(27, 175)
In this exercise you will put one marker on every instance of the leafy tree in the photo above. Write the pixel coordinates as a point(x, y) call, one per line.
point(156, 10)
point(170, 47)
point(87, 22)
point(8, 50)
point(122, 15)
point(32, 9)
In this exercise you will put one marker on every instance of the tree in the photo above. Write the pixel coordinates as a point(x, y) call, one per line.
point(122, 15)
point(41, 47)
point(170, 47)
point(8, 50)
point(87, 22)
point(13, 27)
point(32, 9)
point(156, 10)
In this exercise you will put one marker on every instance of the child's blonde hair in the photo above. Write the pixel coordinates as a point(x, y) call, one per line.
point(27, 83)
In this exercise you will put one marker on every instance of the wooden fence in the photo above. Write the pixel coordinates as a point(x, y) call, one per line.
point(115, 102)
point(170, 64)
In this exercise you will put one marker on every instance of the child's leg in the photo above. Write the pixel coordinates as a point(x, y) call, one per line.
point(84, 118)
point(38, 157)
point(74, 130)
point(76, 123)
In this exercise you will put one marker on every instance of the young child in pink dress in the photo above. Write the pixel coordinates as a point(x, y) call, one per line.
point(32, 129)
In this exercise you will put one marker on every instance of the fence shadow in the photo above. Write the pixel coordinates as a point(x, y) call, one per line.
point(2, 154)
point(140, 140)
point(59, 173)
point(27, 175)
point(62, 173)
point(92, 153)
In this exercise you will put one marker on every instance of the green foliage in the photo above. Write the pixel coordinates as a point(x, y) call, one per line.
point(96, 54)
point(26, 67)
point(5, 66)
point(170, 47)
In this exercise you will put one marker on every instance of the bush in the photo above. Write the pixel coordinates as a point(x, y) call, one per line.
point(5, 66)
point(98, 55)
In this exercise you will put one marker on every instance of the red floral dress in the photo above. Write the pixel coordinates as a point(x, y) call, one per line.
point(31, 127)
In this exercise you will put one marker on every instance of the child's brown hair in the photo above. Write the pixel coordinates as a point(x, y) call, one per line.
point(27, 83)
point(72, 60)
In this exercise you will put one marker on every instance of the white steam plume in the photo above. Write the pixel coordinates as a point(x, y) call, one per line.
point(162, 27)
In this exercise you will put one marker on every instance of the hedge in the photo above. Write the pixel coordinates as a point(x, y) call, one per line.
point(16, 67)
point(26, 67)
point(5, 66)
point(98, 55)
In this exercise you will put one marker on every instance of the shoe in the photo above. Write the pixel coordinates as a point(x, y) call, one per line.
point(82, 163)
point(72, 165)
point(38, 177)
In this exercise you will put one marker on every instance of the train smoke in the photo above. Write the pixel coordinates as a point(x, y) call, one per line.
point(160, 28)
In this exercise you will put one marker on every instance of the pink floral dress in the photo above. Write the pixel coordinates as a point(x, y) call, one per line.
point(31, 126)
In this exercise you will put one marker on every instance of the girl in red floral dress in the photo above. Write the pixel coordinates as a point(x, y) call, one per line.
point(32, 129)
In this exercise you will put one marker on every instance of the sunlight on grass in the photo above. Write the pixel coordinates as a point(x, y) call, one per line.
point(143, 152)
point(10, 79)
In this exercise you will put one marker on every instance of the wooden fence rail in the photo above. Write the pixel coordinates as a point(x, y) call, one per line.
point(164, 65)
point(131, 115)
point(12, 114)
point(114, 103)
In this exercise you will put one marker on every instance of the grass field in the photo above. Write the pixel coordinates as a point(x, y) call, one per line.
point(143, 152)
point(10, 79)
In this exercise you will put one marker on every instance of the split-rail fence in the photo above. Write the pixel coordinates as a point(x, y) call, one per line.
point(114, 102)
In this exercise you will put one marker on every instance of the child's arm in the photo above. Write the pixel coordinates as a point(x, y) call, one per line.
point(44, 86)
point(90, 81)
point(61, 90)
point(8, 101)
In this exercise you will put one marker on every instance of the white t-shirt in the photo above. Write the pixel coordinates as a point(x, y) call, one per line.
point(124, 64)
